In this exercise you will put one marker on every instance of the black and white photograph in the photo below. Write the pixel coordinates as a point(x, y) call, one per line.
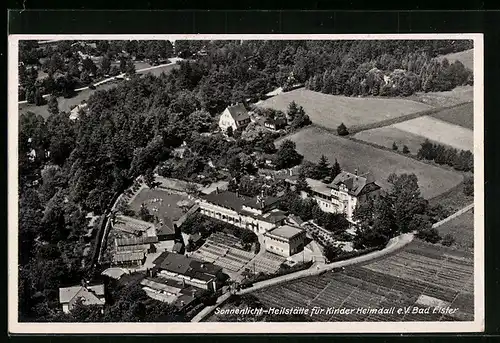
point(246, 183)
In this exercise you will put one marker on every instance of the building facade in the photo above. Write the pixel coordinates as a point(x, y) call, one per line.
point(258, 214)
point(285, 240)
point(343, 194)
point(235, 116)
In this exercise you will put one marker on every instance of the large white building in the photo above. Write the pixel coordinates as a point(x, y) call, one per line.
point(235, 116)
point(258, 214)
point(344, 193)
point(285, 240)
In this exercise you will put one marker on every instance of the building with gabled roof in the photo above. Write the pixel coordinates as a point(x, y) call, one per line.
point(344, 193)
point(187, 269)
point(258, 214)
point(234, 116)
point(89, 295)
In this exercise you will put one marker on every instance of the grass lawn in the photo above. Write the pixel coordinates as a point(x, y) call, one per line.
point(462, 115)
point(167, 207)
point(312, 142)
point(387, 135)
point(158, 71)
point(330, 110)
point(452, 127)
point(439, 131)
point(462, 229)
point(456, 96)
point(466, 57)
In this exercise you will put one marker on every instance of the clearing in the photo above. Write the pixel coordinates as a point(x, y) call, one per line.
point(419, 275)
point(439, 131)
point(330, 111)
point(65, 104)
point(452, 126)
point(466, 57)
point(462, 229)
point(312, 142)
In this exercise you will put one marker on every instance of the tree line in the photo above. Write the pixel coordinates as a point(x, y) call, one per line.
point(458, 159)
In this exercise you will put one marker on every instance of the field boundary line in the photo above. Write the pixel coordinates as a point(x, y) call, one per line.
point(387, 122)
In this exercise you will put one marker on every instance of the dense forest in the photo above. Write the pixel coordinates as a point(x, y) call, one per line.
point(68, 168)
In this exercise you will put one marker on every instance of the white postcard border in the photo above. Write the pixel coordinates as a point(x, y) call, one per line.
point(15, 327)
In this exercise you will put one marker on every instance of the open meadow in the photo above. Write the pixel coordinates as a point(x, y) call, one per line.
point(439, 131)
point(452, 127)
point(312, 142)
point(462, 229)
point(330, 111)
point(462, 115)
point(466, 57)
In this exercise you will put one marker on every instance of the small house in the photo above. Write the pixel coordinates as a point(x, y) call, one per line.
point(234, 116)
point(275, 123)
point(88, 295)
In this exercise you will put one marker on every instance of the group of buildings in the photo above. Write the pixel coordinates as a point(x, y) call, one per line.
point(178, 279)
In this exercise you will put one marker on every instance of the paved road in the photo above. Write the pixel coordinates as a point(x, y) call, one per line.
point(173, 61)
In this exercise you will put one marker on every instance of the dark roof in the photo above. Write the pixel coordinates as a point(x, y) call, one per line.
point(227, 199)
point(202, 266)
point(354, 183)
point(186, 266)
point(275, 121)
point(166, 227)
point(183, 301)
point(275, 216)
point(236, 202)
point(174, 262)
point(195, 237)
point(254, 203)
point(238, 112)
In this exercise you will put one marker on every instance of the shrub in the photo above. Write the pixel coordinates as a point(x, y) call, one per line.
point(394, 146)
point(448, 240)
point(342, 130)
point(469, 186)
point(429, 235)
point(406, 150)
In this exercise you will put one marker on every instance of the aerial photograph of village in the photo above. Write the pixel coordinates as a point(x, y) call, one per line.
point(245, 181)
